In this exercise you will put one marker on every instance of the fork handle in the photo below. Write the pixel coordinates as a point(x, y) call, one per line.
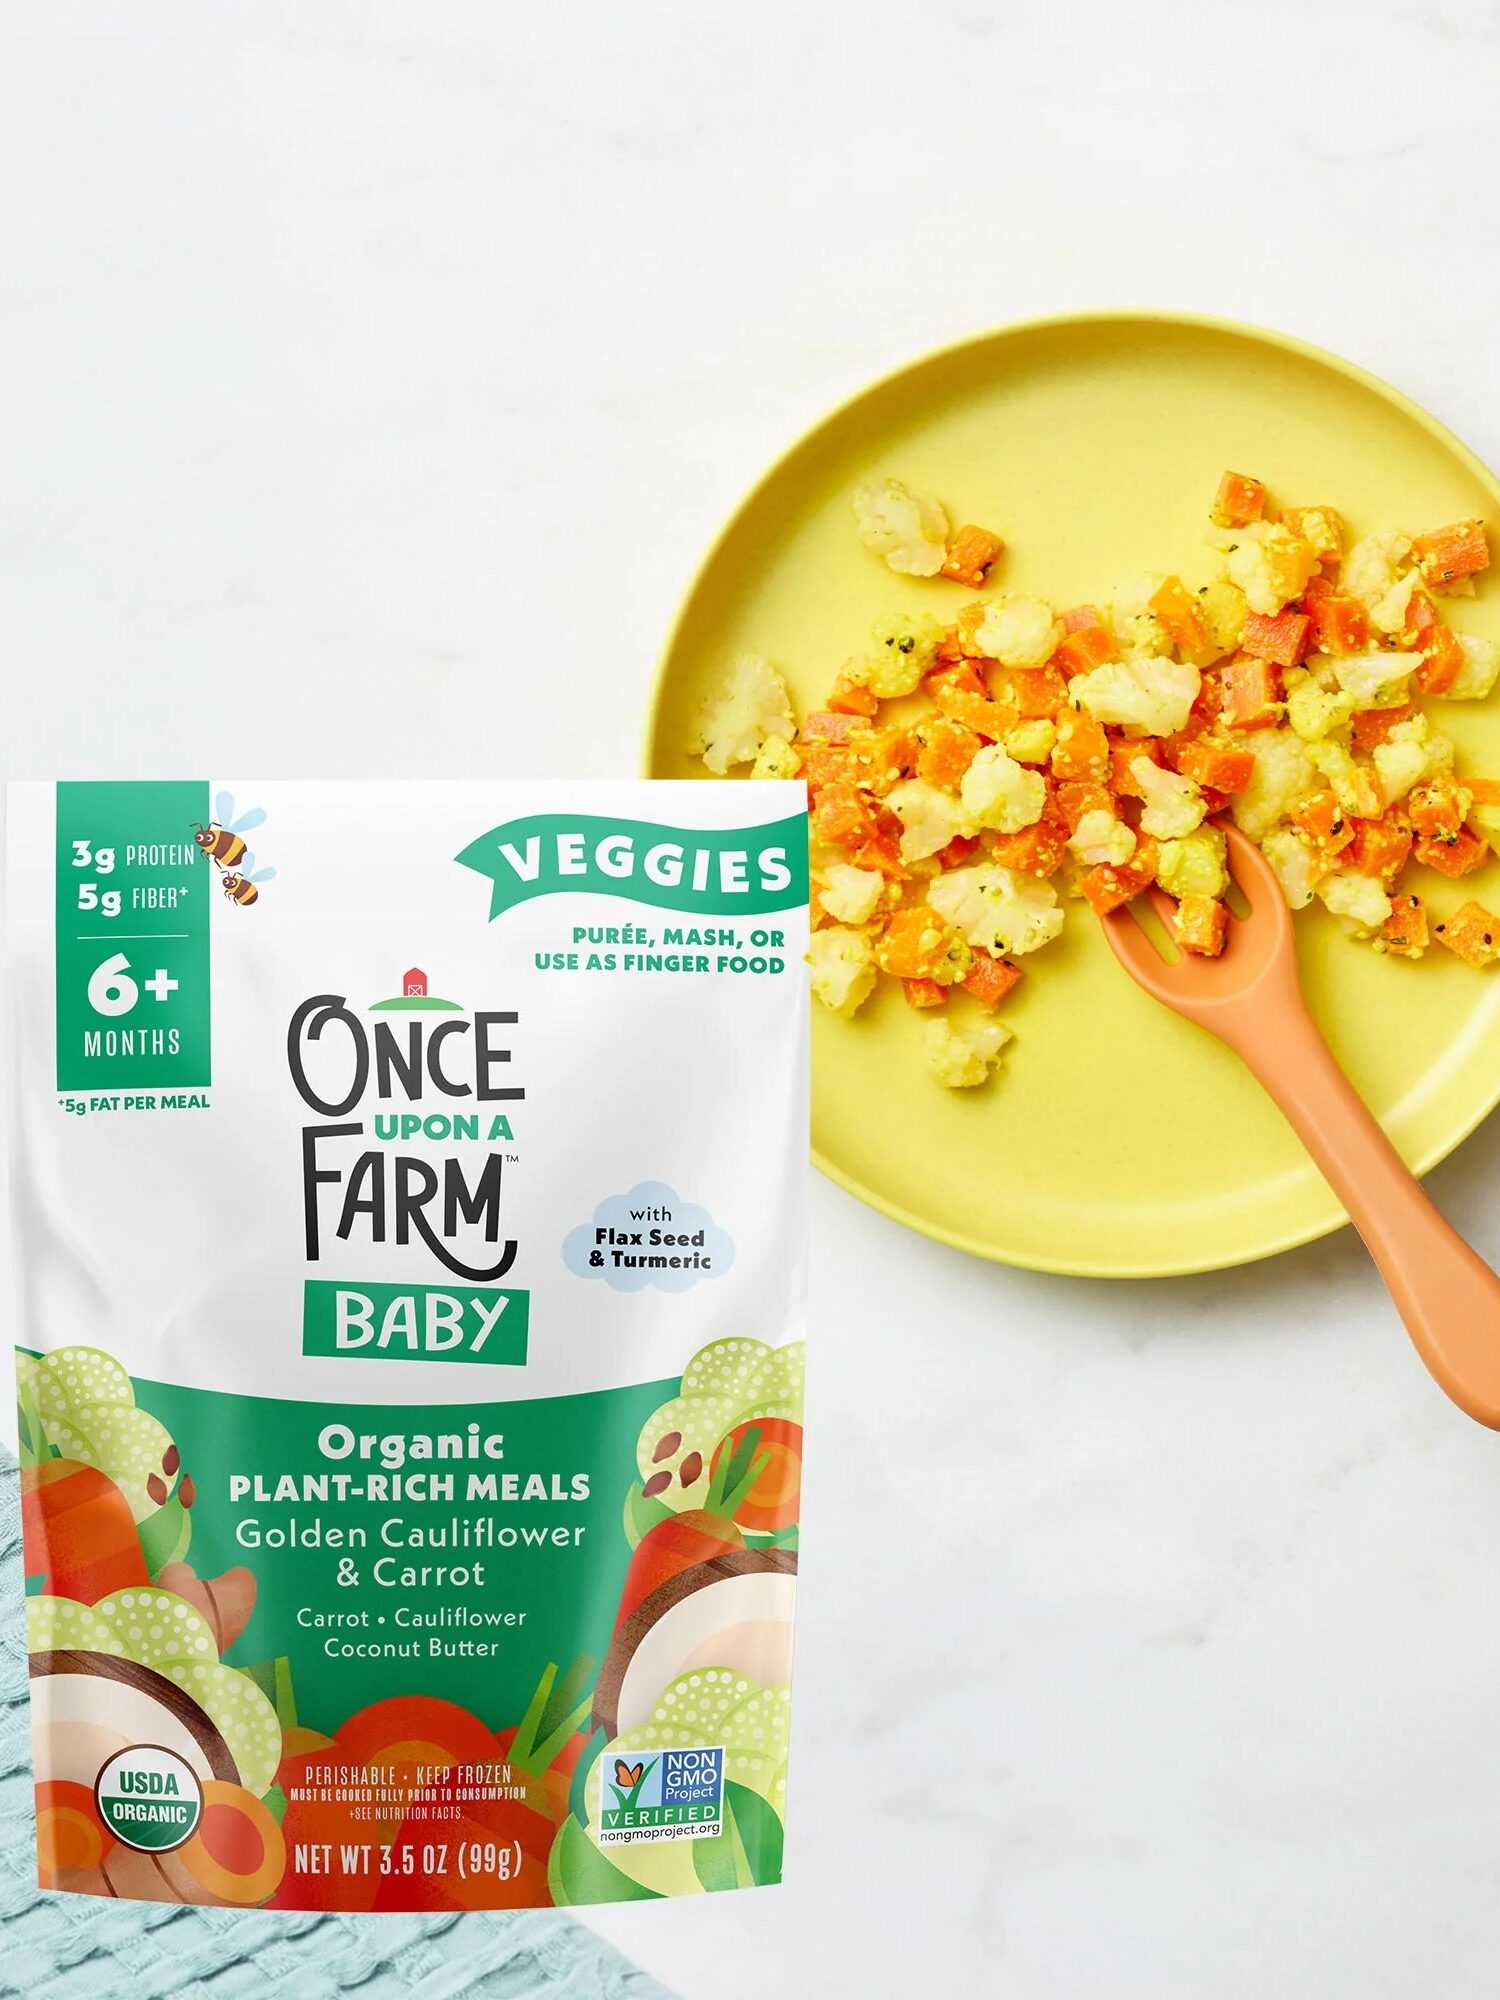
point(1447, 1296)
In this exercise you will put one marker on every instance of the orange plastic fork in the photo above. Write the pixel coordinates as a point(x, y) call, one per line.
point(1250, 997)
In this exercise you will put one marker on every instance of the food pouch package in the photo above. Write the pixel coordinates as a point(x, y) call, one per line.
point(410, 1194)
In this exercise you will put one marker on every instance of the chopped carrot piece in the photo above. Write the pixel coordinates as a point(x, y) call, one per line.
point(1178, 614)
point(1216, 765)
point(1380, 847)
point(1323, 527)
point(1404, 932)
point(989, 978)
point(1459, 856)
point(1077, 796)
point(923, 993)
point(1449, 554)
point(1373, 726)
point(1473, 933)
point(842, 814)
point(914, 943)
point(1081, 617)
point(830, 726)
point(891, 755)
point(1113, 884)
point(985, 717)
point(882, 853)
point(1200, 924)
point(827, 763)
point(970, 554)
point(1082, 748)
point(1251, 692)
point(1239, 501)
point(1122, 756)
point(1325, 824)
point(849, 698)
point(1282, 639)
point(1081, 651)
point(1340, 625)
point(1040, 849)
point(964, 676)
point(1442, 658)
point(960, 849)
point(948, 749)
point(1040, 693)
point(1436, 809)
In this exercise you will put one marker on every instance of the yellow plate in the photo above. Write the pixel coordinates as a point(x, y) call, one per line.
point(1117, 1141)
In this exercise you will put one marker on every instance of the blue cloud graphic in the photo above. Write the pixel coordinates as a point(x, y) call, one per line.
point(606, 1247)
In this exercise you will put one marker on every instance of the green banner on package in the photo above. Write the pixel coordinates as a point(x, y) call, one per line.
point(706, 871)
point(133, 1008)
point(414, 1322)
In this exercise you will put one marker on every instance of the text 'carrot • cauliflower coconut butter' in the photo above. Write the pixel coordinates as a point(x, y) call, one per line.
point(411, 1354)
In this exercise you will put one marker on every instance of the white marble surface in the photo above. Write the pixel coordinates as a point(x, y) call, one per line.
point(372, 377)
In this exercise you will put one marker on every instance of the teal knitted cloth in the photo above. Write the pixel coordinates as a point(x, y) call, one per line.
point(64, 1947)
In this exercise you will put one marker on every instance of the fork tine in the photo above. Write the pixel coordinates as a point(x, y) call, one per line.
point(1135, 951)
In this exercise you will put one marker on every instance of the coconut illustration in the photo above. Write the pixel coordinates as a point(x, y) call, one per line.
point(139, 1667)
point(733, 1610)
point(87, 1706)
point(696, 1595)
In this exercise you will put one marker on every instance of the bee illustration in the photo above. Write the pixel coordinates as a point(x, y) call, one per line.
point(221, 840)
point(628, 1775)
point(239, 886)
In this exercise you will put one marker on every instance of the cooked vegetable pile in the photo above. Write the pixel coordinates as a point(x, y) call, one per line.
point(963, 777)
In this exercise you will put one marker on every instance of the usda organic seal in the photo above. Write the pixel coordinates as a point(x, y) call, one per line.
point(149, 1797)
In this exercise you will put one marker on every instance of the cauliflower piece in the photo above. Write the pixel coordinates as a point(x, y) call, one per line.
point(1414, 750)
point(1313, 711)
point(902, 653)
point(1360, 899)
point(1142, 692)
point(849, 894)
point(1284, 776)
point(1291, 862)
point(1370, 569)
point(1269, 563)
point(996, 909)
point(1377, 679)
point(1398, 766)
point(962, 1057)
point(753, 707)
point(776, 759)
point(843, 968)
point(1031, 742)
point(1222, 607)
point(907, 528)
point(1194, 865)
point(1355, 785)
point(1100, 838)
point(1136, 625)
point(998, 792)
point(1479, 671)
point(1390, 612)
point(1174, 804)
point(929, 817)
point(1018, 631)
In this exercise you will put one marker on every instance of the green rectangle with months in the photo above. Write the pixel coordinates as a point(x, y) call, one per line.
point(134, 1006)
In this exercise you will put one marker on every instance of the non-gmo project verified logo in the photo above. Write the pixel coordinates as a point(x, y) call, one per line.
point(662, 1795)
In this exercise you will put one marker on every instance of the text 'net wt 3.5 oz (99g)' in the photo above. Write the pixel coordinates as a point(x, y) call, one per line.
point(410, 1187)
